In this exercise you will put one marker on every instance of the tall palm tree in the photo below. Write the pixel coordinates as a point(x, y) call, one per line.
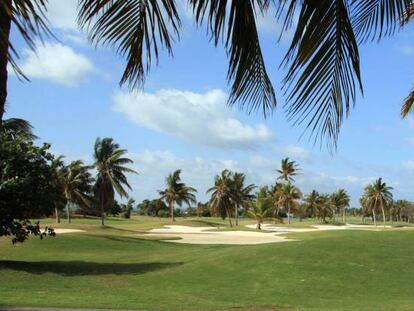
point(323, 61)
point(77, 185)
point(222, 195)
point(288, 197)
point(340, 200)
point(177, 192)
point(242, 193)
point(110, 164)
point(288, 169)
point(59, 170)
point(311, 201)
point(325, 207)
point(379, 196)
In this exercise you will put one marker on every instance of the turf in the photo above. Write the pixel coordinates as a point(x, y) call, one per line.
point(113, 268)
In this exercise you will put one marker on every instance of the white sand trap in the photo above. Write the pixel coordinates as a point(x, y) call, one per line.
point(204, 235)
point(60, 230)
point(314, 228)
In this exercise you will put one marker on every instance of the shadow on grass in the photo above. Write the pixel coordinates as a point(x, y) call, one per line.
point(78, 268)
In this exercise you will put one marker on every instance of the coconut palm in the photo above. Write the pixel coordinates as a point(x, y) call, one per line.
point(340, 200)
point(77, 181)
point(15, 127)
point(288, 169)
point(177, 192)
point(59, 170)
point(110, 164)
point(222, 195)
point(325, 207)
point(241, 193)
point(260, 209)
point(288, 197)
point(311, 203)
point(378, 196)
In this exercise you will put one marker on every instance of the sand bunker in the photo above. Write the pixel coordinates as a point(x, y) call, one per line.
point(60, 230)
point(205, 235)
point(208, 235)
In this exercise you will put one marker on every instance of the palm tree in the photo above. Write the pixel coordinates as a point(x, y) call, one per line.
point(340, 200)
point(177, 192)
point(110, 164)
point(323, 61)
point(242, 193)
point(288, 169)
point(77, 181)
point(59, 170)
point(311, 203)
point(325, 207)
point(222, 195)
point(378, 196)
point(128, 207)
point(288, 197)
point(260, 209)
point(15, 127)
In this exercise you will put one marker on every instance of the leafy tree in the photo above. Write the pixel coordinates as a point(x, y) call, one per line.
point(322, 61)
point(25, 188)
point(378, 196)
point(152, 207)
point(288, 169)
point(177, 192)
point(128, 208)
point(340, 200)
point(288, 197)
point(58, 171)
point(110, 163)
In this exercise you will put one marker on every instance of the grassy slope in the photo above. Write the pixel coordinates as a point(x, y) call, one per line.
point(342, 270)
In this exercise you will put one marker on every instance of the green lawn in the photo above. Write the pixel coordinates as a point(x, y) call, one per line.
point(113, 268)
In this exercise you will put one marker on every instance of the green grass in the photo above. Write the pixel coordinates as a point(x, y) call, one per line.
point(113, 268)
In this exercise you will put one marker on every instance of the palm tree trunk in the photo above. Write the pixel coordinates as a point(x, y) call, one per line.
point(102, 209)
point(237, 215)
point(383, 214)
point(68, 211)
point(5, 25)
point(343, 217)
point(171, 211)
point(288, 214)
point(228, 215)
point(374, 217)
point(57, 215)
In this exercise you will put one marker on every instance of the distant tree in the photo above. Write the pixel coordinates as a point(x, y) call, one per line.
point(152, 207)
point(311, 203)
point(288, 170)
point(288, 197)
point(242, 193)
point(128, 208)
point(260, 209)
point(222, 195)
point(325, 207)
point(77, 185)
point(26, 190)
point(177, 192)
point(340, 200)
point(110, 163)
point(378, 196)
point(58, 169)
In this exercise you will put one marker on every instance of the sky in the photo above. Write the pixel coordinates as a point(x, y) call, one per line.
point(180, 119)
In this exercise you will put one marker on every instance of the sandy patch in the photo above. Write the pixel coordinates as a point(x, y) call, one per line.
point(313, 228)
point(60, 230)
point(204, 235)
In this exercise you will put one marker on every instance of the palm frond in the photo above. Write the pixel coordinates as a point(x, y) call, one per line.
point(374, 19)
point(251, 86)
point(324, 69)
point(136, 28)
point(408, 105)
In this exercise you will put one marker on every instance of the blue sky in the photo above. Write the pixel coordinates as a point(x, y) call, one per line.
point(180, 119)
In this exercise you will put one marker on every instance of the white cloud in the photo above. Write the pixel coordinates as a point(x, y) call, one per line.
point(296, 152)
point(408, 164)
point(199, 118)
point(63, 14)
point(406, 50)
point(56, 62)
